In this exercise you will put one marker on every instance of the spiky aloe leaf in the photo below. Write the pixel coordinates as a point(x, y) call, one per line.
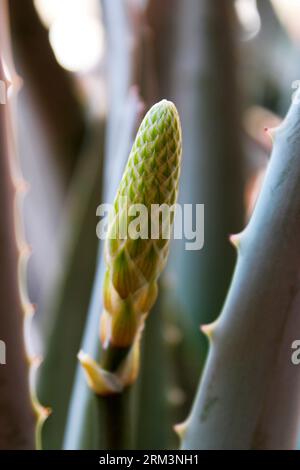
point(20, 413)
point(133, 265)
point(249, 394)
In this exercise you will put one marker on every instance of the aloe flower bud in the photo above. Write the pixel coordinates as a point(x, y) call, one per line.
point(133, 265)
point(134, 260)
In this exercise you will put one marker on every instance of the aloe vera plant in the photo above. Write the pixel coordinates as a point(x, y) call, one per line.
point(242, 399)
point(120, 362)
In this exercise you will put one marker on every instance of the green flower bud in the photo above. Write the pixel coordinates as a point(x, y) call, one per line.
point(133, 264)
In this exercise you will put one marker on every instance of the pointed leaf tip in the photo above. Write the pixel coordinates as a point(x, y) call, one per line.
point(271, 131)
point(180, 429)
point(209, 329)
point(235, 240)
point(99, 380)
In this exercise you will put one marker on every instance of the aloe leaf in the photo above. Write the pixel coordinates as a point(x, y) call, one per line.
point(242, 399)
point(212, 172)
point(17, 417)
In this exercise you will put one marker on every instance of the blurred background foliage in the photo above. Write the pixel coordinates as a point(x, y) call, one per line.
point(88, 67)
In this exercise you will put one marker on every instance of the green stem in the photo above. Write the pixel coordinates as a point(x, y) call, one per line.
point(116, 410)
point(113, 357)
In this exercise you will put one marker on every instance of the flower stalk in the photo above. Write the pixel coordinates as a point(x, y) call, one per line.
point(133, 265)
